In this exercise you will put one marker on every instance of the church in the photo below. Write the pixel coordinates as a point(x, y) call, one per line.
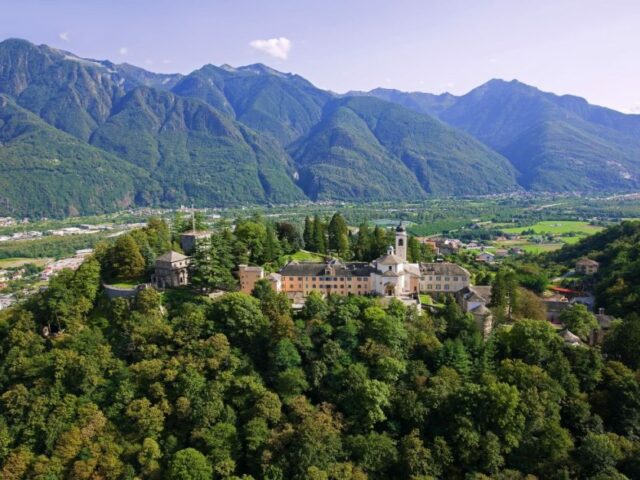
point(389, 275)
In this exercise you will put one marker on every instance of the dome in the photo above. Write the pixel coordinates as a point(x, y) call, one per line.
point(400, 228)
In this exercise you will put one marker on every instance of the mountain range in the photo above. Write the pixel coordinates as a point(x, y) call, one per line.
point(80, 136)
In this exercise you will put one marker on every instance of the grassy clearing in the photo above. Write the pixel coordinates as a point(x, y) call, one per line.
point(128, 283)
point(305, 256)
point(425, 299)
point(19, 262)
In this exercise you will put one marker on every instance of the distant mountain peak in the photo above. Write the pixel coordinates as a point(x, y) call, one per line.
point(262, 69)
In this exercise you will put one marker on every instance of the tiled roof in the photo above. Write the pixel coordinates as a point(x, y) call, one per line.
point(171, 257)
point(587, 262)
point(569, 337)
point(442, 268)
point(390, 259)
point(196, 233)
point(479, 293)
point(334, 269)
point(481, 310)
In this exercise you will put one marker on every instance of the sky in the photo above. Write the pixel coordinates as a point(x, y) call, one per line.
point(582, 47)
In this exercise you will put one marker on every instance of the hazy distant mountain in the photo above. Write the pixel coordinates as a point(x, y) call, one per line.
point(556, 142)
point(417, 101)
point(140, 76)
point(225, 135)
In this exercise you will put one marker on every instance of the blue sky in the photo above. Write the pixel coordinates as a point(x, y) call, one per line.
point(584, 47)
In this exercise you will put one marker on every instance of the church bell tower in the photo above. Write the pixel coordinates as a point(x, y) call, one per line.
point(401, 242)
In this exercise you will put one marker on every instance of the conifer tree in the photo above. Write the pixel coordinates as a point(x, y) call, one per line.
point(319, 235)
point(362, 247)
point(379, 243)
point(309, 234)
point(126, 260)
point(413, 250)
point(272, 247)
point(344, 250)
point(336, 229)
point(212, 264)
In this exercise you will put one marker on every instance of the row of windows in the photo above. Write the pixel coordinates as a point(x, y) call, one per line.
point(446, 279)
point(331, 279)
point(328, 286)
point(438, 287)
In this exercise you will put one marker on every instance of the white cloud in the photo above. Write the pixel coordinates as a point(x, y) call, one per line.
point(148, 61)
point(276, 47)
point(635, 108)
point(493, 60)
point(450, 84)
point(166, 61)
point(124, 51)
point(64, 36)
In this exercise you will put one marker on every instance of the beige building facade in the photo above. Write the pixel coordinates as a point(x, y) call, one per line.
point(171, 270)
point(443, 277)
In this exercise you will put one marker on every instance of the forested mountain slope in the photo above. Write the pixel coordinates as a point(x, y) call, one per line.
point(544, 136)
point(393, 150)
point(225, 135)
point(48, 172)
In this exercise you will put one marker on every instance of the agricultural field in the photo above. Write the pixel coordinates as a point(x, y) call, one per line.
point(19, 262)
point(547, 236)
point(557, 227)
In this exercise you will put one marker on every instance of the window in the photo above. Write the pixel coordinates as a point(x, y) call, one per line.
point(438, 278)
point(438, 287)
point(400, 242)
point(389, 267)
point(455, 279)
point(446, 286)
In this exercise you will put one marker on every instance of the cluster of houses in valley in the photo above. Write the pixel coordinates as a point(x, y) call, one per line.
point(443, 246)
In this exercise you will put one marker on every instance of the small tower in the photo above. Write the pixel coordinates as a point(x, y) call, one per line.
point(401, 242)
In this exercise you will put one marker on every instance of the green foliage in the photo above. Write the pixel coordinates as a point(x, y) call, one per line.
point(126, 260)
point(579, 320)
point(622, 342)
point(212, 263)
point(618, 252)
point(254, 135)
point(349, 387)
point(189, 464)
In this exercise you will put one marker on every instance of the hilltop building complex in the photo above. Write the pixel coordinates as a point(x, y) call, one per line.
point(390, 275)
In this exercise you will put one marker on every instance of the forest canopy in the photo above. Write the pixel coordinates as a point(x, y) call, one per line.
point(185, 387)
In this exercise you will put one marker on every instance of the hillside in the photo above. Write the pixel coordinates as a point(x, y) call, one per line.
point(284, 106)
point(618, 279)
point(228, 136)
point(544, 136)
point(48, 172)
point(176, 385)
point(366, 147)
point(196, 153)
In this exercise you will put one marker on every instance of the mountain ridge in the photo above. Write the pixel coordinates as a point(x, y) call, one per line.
point(252, 134)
